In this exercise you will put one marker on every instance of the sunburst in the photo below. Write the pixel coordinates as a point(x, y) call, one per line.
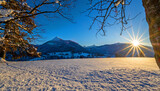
point(135, 44)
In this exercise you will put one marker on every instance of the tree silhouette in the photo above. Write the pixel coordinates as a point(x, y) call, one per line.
point(17, 24)
point(105, 10)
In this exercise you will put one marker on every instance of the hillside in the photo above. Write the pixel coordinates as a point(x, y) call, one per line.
point(60, 45)
point(110, 50)
point(58, 48)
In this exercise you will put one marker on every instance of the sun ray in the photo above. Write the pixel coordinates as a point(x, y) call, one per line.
point(144, 39)
point(133, 35)
point(130, 35)
point(137, 35)
point(141, 51)
point(133, 52)
point(139, 25)
point(137, 51)
point(129, 51)
point(136, 44)
point(146, 48)
point(125, 48)
point(126, 38)
point(140, 36)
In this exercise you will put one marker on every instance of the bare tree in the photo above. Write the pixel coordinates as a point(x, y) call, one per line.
point(103, 10)
point(17, 23)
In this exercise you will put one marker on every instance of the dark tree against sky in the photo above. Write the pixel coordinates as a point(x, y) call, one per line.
point(17, 24)
point(115, 9)
point(109, 9)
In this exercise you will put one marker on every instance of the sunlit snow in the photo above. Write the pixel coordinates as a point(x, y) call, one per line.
point(106, 74)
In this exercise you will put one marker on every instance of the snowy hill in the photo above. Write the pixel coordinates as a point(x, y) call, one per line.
point(109, 50)
point(60, 45)
point(58, 48)
point(98, 74)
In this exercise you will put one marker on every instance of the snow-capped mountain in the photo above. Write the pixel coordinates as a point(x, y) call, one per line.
point(56, 39)
point(109, 50)
point(60, 45)
point(59, 48)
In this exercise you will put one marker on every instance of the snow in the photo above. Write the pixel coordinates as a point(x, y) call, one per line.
point(6, 18)
point(56, 39)
point(105, 74)
point(2, 60)
point(25, 4)
point(1, 39)
point(59, 54)
point(2, 2)
point(5, 14)
point(77, 55)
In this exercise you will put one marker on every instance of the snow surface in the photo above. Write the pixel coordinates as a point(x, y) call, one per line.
point(5, 14)
point(99, 74)
point(2, 60)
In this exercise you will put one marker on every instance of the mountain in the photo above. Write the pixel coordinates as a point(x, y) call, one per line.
point(109, 50)
point(60, 45)
point(115, 50)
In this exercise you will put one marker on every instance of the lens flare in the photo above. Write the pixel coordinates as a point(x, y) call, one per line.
point(135, 45)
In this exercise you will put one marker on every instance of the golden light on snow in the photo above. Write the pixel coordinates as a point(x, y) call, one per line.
point(135, 44)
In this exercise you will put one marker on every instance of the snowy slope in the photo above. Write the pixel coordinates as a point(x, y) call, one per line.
point(109, 50)
point(60, 45)
point(106, 74)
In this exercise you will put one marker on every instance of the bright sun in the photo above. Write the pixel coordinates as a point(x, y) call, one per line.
point(135, 43)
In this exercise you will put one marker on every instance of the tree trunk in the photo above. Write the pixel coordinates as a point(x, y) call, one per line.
point(4, 53)
point(152, 9)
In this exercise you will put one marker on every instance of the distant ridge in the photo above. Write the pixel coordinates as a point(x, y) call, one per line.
point(115, 50)
point(108, 50)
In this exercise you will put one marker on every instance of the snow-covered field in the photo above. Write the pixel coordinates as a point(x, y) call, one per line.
point(81, 74)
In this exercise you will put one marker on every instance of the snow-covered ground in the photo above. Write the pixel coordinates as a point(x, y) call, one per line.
point(81, 74)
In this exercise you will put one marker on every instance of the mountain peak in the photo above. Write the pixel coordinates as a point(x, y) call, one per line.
point(56, 39)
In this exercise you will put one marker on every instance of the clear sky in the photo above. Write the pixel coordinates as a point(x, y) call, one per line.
point(80, 33)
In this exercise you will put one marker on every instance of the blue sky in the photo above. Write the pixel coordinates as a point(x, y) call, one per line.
point(80, 33)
